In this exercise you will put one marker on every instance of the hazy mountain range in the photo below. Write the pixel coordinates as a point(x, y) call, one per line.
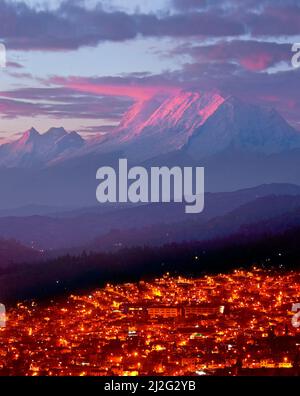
point(264, 232)
point(35, 150)
point(270, 215)
point(200, 125)
point(240, 144)
point(251, 155)
point(93, 228)
point(13, 252)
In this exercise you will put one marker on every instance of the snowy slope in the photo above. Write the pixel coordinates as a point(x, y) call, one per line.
point(202, 124)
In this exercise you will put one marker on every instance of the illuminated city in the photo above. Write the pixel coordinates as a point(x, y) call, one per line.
point(214, 325)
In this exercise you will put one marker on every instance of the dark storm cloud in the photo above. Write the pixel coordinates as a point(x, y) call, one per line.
point(72, 26)
point(280, 20)
point(238, 66)
point(259, 17)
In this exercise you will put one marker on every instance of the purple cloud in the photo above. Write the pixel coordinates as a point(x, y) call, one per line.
point(251, 55)
point(61, 103)
point(72, 26)
point(237, 66)
point(275, 21)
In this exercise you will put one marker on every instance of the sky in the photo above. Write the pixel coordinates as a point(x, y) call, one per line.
point(82, 64)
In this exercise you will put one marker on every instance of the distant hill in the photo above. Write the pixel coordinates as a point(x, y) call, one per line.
point(33, 149)
point(80, 227)
point(263, 244)
point(12, 252)
point(272, 214)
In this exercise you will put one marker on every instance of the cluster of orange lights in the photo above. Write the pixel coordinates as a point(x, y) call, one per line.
point(222, 324)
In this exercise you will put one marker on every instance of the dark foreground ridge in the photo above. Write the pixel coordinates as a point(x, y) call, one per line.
point(67, 274)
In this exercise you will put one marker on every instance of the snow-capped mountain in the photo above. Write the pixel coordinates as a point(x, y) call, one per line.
point(240, 126)
point(198, 125)
point(182, 113)
point(162, 124)
point(34, 148)
point(239, 144)
point(201, 124)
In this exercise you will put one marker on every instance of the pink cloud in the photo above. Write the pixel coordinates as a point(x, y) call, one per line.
point(256, 62)
point(131, 90)
point(250, 54)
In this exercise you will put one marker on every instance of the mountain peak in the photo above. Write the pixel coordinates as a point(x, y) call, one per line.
point(240, 126)
point(204, 124)
point(56, 133)
point(35, 149)
point(70, 140)
point(165, 123)
point(31, 134)
point(74, 134)
point(186, 110)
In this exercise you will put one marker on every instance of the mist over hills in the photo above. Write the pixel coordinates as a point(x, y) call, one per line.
point(249, 152)
point(135, 225)
point(12, 252)
point(84, 271)
point(270, 214)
